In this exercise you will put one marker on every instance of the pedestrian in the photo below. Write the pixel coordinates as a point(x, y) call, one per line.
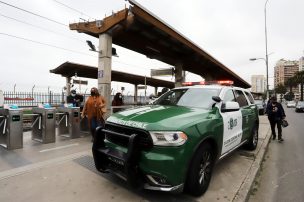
point(275, 114)
point(117, 101)
point(95, 109)
point(75, 98)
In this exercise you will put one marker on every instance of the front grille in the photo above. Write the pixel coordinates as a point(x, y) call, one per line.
point(145, 140)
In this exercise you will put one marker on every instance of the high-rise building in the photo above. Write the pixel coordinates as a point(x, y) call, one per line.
point(258, 83)
point(284, 70)
point(301, 64)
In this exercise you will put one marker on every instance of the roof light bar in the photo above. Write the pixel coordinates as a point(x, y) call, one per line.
point(220, 82)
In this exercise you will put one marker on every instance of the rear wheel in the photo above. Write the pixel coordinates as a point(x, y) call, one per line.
point(200, 170)
point(253, 140)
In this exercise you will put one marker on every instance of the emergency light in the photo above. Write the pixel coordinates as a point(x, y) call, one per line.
point(220, 82)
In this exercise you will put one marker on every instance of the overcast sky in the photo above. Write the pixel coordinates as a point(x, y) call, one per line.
point(231, 31)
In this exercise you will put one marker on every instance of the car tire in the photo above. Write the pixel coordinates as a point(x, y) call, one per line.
point(253, 140)
point(200, 170)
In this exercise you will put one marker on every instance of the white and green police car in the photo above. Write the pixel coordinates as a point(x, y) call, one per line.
point(173, 144)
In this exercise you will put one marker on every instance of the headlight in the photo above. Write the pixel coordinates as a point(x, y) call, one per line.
point(168, 138)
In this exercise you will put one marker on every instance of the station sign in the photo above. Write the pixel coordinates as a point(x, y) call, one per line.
point(82, 82)
point(141, 87)
point(162, 72)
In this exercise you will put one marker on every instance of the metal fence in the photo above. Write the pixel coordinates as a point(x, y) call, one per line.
point(32, 99)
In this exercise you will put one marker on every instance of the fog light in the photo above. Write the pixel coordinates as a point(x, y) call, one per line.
point(156, 180)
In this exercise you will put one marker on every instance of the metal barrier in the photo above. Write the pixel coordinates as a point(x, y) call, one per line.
point(69, 121)
point(43, 125)
point(11, 128)
point(84, 125)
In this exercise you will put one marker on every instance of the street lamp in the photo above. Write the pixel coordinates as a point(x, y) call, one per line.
point(267, 89)
point(266, 47)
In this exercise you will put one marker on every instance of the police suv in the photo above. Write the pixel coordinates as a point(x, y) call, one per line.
point(173, 144)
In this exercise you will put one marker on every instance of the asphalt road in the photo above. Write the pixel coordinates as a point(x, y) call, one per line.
point(281, 178)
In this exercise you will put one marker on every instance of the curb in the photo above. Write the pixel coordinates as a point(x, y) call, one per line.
point(244, 191)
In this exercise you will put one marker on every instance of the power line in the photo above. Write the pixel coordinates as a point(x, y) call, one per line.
point(45, 44)
point(42, 28)
point(32, 13)
point(57, 47)
point(73, 9)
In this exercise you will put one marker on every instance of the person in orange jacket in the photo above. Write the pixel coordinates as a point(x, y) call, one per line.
point(95, 109)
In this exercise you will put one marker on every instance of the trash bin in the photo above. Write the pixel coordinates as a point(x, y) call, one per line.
point(11, 128)
point(69, 121)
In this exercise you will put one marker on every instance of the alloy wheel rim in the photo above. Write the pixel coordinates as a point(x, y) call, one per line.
point(255, 138)
point(205, 168)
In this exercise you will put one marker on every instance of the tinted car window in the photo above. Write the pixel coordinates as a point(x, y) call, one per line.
point(240, 98)
point(250, 98)
point(191, 97)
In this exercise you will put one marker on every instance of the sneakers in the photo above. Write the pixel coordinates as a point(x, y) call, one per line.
point(280, 139)
point(273, 137)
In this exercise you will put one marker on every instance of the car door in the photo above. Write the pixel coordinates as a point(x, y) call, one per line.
point(253, 113)
point(232, 123)
point(245, 110)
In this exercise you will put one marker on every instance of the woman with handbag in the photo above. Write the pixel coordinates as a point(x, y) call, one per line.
point(95, 109)
point(275, 114)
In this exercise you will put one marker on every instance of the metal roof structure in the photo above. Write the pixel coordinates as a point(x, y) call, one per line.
point(137, 29)
point(68, 69)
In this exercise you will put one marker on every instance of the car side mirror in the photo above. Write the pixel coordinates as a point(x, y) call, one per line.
point(230, 106)
point(216, 98)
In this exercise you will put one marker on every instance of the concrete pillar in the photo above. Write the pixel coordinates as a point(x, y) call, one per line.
point(68, 88)
point(105, 68)
point(135, 94)
point(179, 75)
point(155, 91)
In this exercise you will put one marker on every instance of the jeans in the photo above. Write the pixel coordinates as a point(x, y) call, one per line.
point(273, 123)
point(94, 124)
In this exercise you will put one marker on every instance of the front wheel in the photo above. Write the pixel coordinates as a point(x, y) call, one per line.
point(253, 140)
point(200, 170)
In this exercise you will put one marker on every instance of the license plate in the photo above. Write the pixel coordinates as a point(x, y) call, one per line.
point(115, 160)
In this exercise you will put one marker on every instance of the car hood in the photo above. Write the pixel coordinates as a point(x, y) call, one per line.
point(159, 117)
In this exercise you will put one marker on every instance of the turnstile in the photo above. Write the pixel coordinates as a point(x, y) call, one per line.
point(43, 127)
point(69, 121)
point(84, 125)
point(11, 128)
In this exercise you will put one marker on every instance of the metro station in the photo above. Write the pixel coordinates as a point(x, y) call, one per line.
point(58, 146)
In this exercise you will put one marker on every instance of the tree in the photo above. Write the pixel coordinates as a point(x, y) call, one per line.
point(291, 82)
point(281, 89)
point(299, 78)
point(289, 96)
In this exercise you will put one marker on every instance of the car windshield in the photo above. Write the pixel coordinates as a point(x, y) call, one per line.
point(300, 104)
point(258, 102)
point(189, 97)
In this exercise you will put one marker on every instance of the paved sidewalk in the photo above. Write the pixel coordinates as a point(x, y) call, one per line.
point(60, 173)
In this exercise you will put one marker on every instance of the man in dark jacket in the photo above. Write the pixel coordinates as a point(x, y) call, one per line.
point(75, 98)
point(275, 114)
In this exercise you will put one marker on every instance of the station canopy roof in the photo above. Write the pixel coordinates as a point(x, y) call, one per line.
point(137, 29)
point(69, 69)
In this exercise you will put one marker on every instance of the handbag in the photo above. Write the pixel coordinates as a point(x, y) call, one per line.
point(284, 123)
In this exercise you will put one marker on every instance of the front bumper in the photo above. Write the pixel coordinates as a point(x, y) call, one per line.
point(152, 170)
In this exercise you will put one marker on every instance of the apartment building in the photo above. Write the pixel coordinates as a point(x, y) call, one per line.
point(258, 83)
point(285, 69)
